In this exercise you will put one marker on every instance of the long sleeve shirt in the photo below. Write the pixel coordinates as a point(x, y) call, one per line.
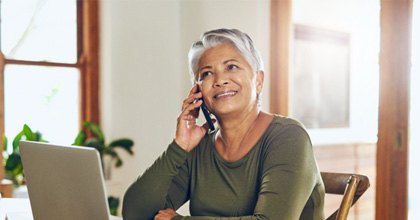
point(277, 179)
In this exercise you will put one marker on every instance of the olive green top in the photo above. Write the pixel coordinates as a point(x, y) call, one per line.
point(277, 179)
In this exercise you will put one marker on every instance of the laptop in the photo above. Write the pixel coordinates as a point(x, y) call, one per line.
point(64, 182)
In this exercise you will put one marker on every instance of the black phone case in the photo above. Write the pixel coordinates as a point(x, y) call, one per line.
point(206, 114)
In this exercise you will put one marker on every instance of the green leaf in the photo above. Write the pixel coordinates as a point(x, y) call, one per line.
point(114, 155)
point(80, 138)
point(16, 175)
point(4, 143)
point(110, 152)
point(119, 162)
point(95, 143)
point(113, 203)
point(13, 161)
point(43, 140)
point(18, 170)
point(38, 137)
point(30, 136)
point(95, 130)
point(123, 143)
point(16, 140)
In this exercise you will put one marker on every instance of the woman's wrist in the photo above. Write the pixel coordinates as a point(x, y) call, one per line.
point(181, 144)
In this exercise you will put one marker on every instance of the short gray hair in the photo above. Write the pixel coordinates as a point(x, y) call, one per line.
point(240, 40)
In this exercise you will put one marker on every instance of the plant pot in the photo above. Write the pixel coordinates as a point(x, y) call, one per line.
point(107, 163)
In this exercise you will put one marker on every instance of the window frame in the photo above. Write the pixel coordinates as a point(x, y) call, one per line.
point(88, 64)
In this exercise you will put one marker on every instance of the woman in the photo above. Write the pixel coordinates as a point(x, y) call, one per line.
point(255, 166)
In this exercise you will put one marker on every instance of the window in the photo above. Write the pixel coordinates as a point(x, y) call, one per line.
point(49, 66)
point(320, 91)
point(324, 67)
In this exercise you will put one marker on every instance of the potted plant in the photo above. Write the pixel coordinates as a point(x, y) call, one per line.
point(97, 140)
point(13, 164)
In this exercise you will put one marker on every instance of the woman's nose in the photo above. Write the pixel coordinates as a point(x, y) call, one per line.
point(220, 83)
point(221, 80)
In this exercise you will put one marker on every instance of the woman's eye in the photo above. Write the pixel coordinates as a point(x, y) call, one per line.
point(205, 74)
point(232, 67)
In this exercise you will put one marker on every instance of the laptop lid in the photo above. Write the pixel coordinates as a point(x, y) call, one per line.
point(64, 182)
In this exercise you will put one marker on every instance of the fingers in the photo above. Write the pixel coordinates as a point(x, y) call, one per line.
point(188, 132)
point(191, 103)
point(195, 89)
point(166, 214)
point(193, 94)
point(192, 97)
point(190, 111)
point(170, 211)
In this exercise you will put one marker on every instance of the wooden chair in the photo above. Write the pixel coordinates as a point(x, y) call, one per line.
point(351, 186)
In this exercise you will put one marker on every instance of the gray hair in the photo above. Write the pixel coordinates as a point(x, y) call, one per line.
point(240, 40)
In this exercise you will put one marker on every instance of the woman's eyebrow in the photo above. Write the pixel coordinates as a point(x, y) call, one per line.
point(229, 60)
point(224, 63)
point(204, 67)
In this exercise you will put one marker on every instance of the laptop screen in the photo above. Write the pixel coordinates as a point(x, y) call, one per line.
point(64, 182)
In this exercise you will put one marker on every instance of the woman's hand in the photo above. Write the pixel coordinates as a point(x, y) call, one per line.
point(188, 133)
point(166, 214)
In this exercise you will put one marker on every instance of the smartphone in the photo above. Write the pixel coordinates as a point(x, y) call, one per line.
point(206, 114)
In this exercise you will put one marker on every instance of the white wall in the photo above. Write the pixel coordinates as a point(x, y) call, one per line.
point(144, 72)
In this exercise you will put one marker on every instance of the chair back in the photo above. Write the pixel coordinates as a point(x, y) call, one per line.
point(351, 186)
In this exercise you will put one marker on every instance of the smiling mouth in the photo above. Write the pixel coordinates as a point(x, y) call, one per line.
point(225, 94)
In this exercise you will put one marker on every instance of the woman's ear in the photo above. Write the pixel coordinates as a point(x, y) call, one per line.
point(259, 81)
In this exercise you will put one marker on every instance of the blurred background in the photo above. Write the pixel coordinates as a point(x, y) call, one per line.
point(123, 65)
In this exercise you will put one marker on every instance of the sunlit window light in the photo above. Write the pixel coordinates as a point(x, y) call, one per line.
point(40, 30)
point(45, 98)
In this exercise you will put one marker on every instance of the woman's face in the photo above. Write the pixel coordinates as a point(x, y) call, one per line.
point(228, 83)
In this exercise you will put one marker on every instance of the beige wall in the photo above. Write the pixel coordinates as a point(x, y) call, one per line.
point(144, 75)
